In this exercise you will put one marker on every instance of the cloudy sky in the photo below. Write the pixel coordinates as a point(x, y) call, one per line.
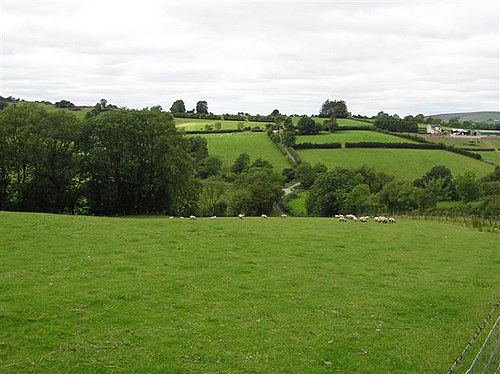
point(404, 57)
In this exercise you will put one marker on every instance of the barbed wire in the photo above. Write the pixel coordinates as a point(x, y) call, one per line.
point(474, 337)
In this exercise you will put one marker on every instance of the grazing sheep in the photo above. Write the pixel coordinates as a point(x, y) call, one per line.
point(181, 217)
point(192, 217)
point(171, 217)
point(391, 220)
point(383, 219)
point(241, 215)
point(355, 219)
point(213, 217)
point(263, 216)
point(342, 219)
point(283, 216)
point(351, 216)
point(364, 219)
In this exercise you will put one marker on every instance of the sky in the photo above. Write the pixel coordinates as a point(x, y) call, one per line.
point(404, 57)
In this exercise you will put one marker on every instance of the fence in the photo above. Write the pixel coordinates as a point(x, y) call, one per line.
point(488, 358)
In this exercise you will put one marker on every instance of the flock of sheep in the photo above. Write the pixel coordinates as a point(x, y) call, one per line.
point(352, 217)
point(340, 217)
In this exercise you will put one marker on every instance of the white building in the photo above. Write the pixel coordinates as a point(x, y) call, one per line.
point(434, 129)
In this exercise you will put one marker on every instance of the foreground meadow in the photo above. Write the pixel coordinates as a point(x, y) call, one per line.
point(87, 294)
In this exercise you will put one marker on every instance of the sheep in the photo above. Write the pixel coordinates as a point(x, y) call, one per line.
point(263, 216)
point(355, 219)
point(191, 217)
point(171, 217)
point(350, 216)
point(342, 219)
point(241, 215)
point(382, 219)
point(283, 216)
point(364, 219)
point(213, 217)
point(391, 220)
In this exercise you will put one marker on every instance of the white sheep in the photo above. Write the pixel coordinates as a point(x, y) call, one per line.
point(263, 216)
point(241, 215)
point(391, 220)
point(283, 216)
point(191, 217)
point(171, 217)
point(364, 219)
point(213, 217)
point(342, 219)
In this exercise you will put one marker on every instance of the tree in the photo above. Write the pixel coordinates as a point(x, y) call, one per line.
point(178, 107)
point(468, 187)
point(198, 149)
point(330, 124)
point(289, 138)
point(275, 112)
point(337, 109)
point(136, 162)
point(329, 192)
point(442, 182)
point(241, 163)
point(399, 196)
point(64, 104)
point(210, 166)
point(202, 107)
point(211, 202)
point(307, 126)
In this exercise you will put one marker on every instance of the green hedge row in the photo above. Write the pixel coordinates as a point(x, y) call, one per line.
point(317, 145)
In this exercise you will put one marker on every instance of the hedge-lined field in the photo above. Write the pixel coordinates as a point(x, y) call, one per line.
point(342, 122)
point(406, 164)
point(199, 124)
point(351, 136)
point(88, 294)
point(491, 156)
point(229, 146)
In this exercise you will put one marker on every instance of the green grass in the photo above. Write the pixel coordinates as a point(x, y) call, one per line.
point(342, 122)
point(88, 294)
point(461, 142)
point(199, 124)
point(230, 146)
point(79, 113)
point(406, 164)
point(491, 156)
point(298, 203)
point(351, 136)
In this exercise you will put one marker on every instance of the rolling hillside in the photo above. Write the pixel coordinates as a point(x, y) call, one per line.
point(486, 117)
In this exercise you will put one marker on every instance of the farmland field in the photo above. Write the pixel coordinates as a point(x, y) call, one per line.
point(351, 136)
point(406, 164)
point(457, 141)
point(229, 146)
point(88, 294)
point(199, 124)
point(342, 122)
point(491, 156)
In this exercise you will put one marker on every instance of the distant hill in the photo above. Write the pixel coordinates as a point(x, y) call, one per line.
point(483, 117)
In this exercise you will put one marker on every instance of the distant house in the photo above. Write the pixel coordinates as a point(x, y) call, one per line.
point(434, 129)
point(460, 132)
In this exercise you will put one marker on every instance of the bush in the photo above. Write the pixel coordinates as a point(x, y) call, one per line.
point(317, 146)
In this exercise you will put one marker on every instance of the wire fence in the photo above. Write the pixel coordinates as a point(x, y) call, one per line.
point(488, 358)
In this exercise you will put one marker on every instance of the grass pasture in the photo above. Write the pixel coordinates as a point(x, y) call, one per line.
point(406, 164)
point(192, 124)
point(88, 294)
point(491, 156)
point(342, 122)
point(229, 146)
point(350, 137)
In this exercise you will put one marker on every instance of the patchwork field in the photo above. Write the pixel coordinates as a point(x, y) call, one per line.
point(457, 141)
point(88, 294)
point(406, 164)
point(342, 122)
point(199, 124)
point(491, 156)
point(351, 136)
point(230, 146)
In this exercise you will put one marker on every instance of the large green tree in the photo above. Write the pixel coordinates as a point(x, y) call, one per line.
point(202, 107)
point(335, 108)
point(135, 161)
point(178, 107)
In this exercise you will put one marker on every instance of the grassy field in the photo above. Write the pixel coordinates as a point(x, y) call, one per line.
point(199, 124)
point(342, 122)
point(230, 146)
point(80, 113)
point(491, 156)
point(406, 164)
point(298, 203)
point(88, 294)
point(457, 141)
point(351, 136)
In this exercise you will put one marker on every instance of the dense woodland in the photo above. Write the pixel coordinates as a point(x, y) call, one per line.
point(119, 161)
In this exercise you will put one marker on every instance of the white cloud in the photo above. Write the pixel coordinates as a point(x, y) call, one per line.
point(405, 57)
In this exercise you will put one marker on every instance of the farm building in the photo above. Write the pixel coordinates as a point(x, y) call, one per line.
point(485, 132)
point(460, 132)
point(434, 129)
